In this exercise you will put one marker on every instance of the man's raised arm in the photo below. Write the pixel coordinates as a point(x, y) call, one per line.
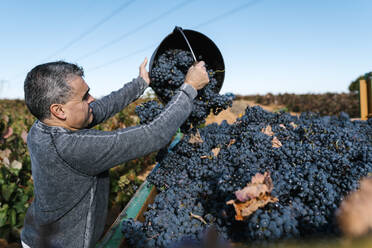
point(113, 103)
point(92, 152)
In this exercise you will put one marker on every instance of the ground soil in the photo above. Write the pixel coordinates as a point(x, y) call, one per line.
point(237, 109)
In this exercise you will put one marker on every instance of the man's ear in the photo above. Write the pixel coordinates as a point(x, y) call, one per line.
point(57, 111)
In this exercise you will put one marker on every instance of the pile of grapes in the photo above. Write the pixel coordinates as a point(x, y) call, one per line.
point(168, 74)
point(314, 162)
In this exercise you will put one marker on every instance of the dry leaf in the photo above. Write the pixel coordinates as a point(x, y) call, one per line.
point(16, 165)
point(8, 133)
point(244, 209)
point(24, 136)
point(255, 195)
point(5, 153)
point(354, 215)
point(216, 151)
point(267, 130)
point(5, 118)
point(6, 162)
point(276, 142)
point(195, 138)
point(294, 125)
point(260, 184)
point(231, 142)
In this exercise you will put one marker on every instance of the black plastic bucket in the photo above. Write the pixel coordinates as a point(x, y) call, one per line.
point(203, 47)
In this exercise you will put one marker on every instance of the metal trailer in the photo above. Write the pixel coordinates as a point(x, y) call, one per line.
point(135, 208)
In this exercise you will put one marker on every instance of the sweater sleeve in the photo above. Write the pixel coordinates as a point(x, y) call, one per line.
point(111, 104)
point(92, 151)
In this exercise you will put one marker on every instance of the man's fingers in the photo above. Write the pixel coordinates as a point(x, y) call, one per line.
point(144, 63)
point(200, 64)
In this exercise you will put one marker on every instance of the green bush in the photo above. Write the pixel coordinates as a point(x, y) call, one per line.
point(15, 180)
point(354, 85)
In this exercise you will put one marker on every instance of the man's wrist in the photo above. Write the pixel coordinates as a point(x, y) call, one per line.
point(189, 90)
point(142, 82)
point(191, 85)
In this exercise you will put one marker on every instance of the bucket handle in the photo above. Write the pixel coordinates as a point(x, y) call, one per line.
point(187, 41)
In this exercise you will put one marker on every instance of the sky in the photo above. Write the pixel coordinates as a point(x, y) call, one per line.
point(268, 46)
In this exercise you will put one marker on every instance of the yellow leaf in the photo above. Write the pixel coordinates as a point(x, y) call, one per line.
point(195, 138)
point(267, 130)
point(276, 142)
point(216, 151)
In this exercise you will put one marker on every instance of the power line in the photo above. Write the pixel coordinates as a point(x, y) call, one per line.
point(227, 13)
point(82, 35)
point(121, 37)
point(94, 27)
point(230, 12)
point(121, 58)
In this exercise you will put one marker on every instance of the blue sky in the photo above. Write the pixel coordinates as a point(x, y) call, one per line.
point(275, 46)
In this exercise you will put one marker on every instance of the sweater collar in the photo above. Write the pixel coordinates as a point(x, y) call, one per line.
point(51, 129)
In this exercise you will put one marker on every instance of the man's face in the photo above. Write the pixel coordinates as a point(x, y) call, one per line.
point(78, 112)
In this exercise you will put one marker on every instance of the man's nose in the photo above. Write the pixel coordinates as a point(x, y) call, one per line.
point(91, 99)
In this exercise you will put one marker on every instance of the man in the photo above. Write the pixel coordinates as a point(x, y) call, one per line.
point(70, 162)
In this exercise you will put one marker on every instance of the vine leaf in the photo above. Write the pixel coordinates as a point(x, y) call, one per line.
point(195, 138)
point(5, 153)
point(216, 151)
point(260, 184)
point(8, 133)
point(231, 142)
point(7, 190)
point(276, 142)
point(16, 165)
point(3, 215)
point(255, 195)
point(267, 130)
point(24, 136)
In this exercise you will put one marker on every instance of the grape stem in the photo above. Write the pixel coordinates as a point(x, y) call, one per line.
point(198, 217)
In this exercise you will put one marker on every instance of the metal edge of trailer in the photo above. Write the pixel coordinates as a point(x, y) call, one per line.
point(134, 209)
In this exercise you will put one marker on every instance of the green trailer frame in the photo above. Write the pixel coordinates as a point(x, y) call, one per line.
point(135, 208)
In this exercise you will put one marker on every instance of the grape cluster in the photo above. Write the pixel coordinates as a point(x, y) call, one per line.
point(148, 111)
point(168, 74)
point(319, 161)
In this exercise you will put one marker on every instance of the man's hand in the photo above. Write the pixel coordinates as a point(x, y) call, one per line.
point(197, 76)
point(143, 72)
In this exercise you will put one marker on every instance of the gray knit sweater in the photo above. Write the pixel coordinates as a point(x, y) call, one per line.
point(70, 168)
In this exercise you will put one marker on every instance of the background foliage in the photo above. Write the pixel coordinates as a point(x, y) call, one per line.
point(324, 104)
point(354, 85)
point(16, 185)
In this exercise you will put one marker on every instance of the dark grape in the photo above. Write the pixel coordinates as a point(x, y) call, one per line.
point(320, 161)
point(168, 74)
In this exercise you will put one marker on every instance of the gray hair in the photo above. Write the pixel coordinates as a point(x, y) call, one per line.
point(47, 84)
